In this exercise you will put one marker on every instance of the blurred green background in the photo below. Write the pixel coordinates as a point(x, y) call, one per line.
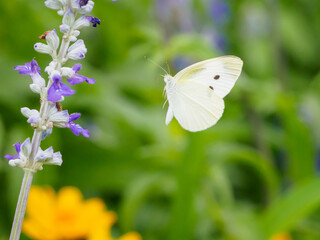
point(254, 174)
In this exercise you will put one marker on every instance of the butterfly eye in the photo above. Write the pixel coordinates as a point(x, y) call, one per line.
point(216, 77)
point(211, 87)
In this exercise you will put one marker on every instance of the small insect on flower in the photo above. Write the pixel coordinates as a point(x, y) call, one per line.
point(59, 106)
point(190, 103)
point(44, 35)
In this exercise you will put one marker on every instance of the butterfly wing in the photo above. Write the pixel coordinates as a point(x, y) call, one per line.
point(219, 73)
point(195, 106)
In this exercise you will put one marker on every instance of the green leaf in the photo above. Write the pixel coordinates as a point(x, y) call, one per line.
point(297, 140)
point(294, 206)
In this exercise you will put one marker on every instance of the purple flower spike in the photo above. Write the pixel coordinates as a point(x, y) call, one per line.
point(76, 128)
point(220, 11)
point(77, 78)
point(30, 68)
point(94, 21)
point(18, 149)
point(58, 89)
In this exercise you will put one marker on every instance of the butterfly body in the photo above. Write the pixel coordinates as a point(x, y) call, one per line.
point(195, 94)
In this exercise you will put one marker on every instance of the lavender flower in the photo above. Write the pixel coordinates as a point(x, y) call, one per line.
point(30, 68)
point(32, 115)
point(76, 128)
point(58, 5)
point(33, 70)
point(67, 21)
point(77, 50)
point(220, 11)
point(57, 118)
point(81, 22)
point(18, 149)
point(83, 2)
point(22, 156)
point(29, 156)
point(82, 6)
point(58, 89)
point(73, 77)
point(94, 21)
point(51, 46)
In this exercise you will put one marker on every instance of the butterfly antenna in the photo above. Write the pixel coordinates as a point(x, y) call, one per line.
point(168, 67)
point(155, 64)
point(164, 103)
point(164, 93)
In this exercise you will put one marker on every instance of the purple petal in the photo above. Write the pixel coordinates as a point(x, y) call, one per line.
point(85, 133)
point(90, 80)
point(76, 79)
point(77, 129)
point(54, 94)
point(35, 67)
point(74, 117)
point(29, 68)
point(17, 147)
point(77, 67)
point(94, 21)
point(34, 119)
point(9, 157)
point(24, 69)
point(83, 2)
point(58, 89)
point(66, 90)
point(56, 78)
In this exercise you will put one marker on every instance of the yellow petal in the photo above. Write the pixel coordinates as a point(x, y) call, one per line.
point(69, 197)
point(131, 236)
point(281, 236)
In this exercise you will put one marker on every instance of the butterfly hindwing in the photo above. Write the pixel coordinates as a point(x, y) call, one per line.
point(195, 106)
point(220, 74)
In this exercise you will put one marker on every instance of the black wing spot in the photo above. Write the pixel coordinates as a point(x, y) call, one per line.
point(216, 77)
point(211, 87)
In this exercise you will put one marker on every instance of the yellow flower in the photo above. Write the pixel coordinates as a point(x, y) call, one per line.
point(66, 215)
point(281, 236)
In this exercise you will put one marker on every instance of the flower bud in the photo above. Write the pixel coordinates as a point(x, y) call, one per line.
point(68, 18)
point(77, 50)
point(53, 40)
point(42, 48)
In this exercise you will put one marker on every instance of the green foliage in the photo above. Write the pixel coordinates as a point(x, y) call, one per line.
point(252, 175)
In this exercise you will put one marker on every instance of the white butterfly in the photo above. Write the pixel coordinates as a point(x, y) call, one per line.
point(195, 94)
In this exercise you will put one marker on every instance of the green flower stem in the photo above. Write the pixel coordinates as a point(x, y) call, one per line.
point(22, 204)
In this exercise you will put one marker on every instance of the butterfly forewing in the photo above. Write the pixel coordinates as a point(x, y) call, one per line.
point(195, 106)
point(219, 74)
